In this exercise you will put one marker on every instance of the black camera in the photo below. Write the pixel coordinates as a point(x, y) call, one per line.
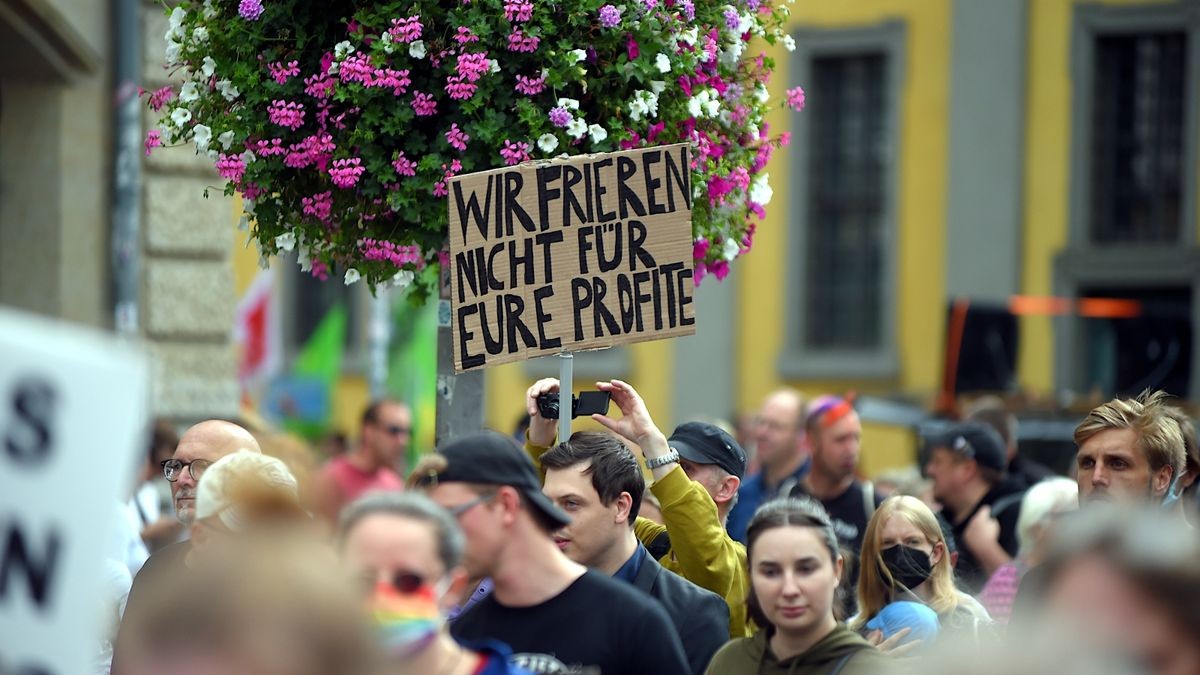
point(586, 404)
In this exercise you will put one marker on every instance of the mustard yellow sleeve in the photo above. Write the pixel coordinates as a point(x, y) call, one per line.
point(702, 551)
point(535, 453)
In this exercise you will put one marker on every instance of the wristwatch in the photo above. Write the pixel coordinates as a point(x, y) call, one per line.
point(669, 458)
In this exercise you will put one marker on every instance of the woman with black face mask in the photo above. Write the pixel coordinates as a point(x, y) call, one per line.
point(905, 558)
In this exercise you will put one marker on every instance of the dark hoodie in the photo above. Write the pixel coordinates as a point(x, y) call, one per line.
point(842, 647)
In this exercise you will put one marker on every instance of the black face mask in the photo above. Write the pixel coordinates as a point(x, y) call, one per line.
point(910, 567)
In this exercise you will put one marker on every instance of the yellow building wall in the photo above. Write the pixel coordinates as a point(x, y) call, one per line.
point(1047, 174)
point(921, 165)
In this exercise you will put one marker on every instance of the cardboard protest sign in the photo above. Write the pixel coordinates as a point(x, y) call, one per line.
point(571, 254)
point(72, 421)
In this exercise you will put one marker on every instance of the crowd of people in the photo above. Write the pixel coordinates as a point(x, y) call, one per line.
point(629, 550)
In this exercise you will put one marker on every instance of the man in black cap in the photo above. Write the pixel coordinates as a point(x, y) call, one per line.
point(558, 616)
point(696, 474)
point(966, 465)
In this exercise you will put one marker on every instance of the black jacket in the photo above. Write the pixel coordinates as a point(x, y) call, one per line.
point(700, 616)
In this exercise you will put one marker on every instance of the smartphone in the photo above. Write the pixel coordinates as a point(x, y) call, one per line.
point(591, 402)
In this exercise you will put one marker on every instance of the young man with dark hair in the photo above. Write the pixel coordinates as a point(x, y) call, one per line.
point(696, 474)
point(558, 616)
point(372, 464)
point(966, 466)
point(595, 479)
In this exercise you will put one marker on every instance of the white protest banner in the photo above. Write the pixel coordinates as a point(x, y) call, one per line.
point(571, 254)
point(72, 422)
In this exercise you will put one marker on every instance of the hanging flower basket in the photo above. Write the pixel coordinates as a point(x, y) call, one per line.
point(340, 122)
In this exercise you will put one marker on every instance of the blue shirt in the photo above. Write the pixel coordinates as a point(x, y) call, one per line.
point(753, 493)
point(629, 571)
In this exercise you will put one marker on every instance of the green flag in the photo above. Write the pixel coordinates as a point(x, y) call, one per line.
point(314, 375)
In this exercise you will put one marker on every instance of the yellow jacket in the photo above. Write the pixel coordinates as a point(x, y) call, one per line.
point(701, 551)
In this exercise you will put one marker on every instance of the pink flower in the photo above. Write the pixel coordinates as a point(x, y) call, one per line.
point(520, 42)
point(698, 272)
point(407, 29)
point(386, 251)
point(320, 270)
point(357, 68)
point(795, 98)
point(459, 90)
point(443, 258)
point(785, 138)
point(319, 86)
point(471, 67)
point(424, 104)
point(518, 10)
point(610, 16)
point(514, 153)
point(530, 86)
point(718, 189)
point(160, 98)
point(285, 114)
point(560, 117)
point(404, 166)
point(720, 269)
point(281, 72)
point(153, 140)
point(631, 48)
point(231, 168)
point(389, 78)
point(700, 249)
point(457, 138)
point(440, 189)
point(346, 172)
point(250, 10)
point(464, 36)
point(269, 148)
point(318, 206)
point(688, 8)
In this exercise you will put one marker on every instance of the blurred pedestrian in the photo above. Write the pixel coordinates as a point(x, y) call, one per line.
point(383, 440)
point(1022, 471)
point(408, 552)
point(782, 452)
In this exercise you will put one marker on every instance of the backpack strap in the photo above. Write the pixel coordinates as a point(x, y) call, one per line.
point(868, 490)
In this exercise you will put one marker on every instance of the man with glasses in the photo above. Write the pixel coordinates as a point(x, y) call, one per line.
point(372, 464)
point(199, 447)
point(558, 616)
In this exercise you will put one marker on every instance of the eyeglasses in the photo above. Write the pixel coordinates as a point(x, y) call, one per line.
point(173, 468)
point(397, 430)
point(457, 511)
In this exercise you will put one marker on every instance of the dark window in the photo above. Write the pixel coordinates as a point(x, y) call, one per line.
point(846, 220)
point(1150, 351)
point(311, 301)
point(1137, 138)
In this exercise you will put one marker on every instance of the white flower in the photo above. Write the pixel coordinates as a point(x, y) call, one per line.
point(248, 157)
point(212, 155)
point(227, 90)
point(342, 49)
point(208, 67)
point(402, 279)
point(286, 241)
point(598, 133)
point(386, 40)
point(761, 93)
point(189, 92)
point(416, 49)
point(352, 276)
point(177, 16)
point(264, 262)
point(577, 128)
point(697, 102)
point(637, 108)
point(173, 35)
point(752, 130)
point(730, 249)
point(712, 107)
point(202, 135)
point(303, 257)
point(789, 43)
point(731, 54)
point(568, 103)
point(243, 223)
point(181, 116)
point(200, 35)
point(225, 139)
point(745, 23)
point(689, 36)
point(210, 12)
point(547, 143)
point(172, 53)
point(657, 86)
point(760, 190)
point(663, 63)
point(493, 66)
point(577, 56)
point(334, 68)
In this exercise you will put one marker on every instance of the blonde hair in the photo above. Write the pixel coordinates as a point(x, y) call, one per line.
point(1148, 416)
point(875, 580)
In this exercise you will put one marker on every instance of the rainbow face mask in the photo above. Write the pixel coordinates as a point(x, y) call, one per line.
point(407, 618)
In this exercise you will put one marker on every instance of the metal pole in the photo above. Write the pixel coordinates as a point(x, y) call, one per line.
point(566, 368)
point(459, 397)
point(127, 168)
point(380, 339)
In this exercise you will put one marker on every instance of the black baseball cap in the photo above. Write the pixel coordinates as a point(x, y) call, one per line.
point(491, 458)
point(705, 443)
point(975, 441)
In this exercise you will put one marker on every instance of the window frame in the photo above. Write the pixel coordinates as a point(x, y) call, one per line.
point(799, 360)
